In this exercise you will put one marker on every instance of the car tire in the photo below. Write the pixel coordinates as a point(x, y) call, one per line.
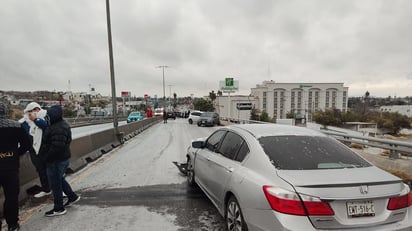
point(190, 121)
point(233, 216)
point(190, 175)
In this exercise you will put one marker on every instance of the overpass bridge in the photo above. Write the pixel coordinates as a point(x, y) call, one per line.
point(130, 186)
point(134, 186)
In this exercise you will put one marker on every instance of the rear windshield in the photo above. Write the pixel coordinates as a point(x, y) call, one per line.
point(307, 152)
point(206, 114)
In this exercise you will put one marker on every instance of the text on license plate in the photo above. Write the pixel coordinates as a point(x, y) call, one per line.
point(360, 208)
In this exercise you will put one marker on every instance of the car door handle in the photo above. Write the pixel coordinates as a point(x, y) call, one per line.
point(229, 169)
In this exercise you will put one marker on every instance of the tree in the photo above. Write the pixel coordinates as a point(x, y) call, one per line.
point(212, 95)
point(393, 122)
point(328, 117)
point(254, 114)
point(290, 115)
point(264, 116)
point(68, 112)
point(203, 105)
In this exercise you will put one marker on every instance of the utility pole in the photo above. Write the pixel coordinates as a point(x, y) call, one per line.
point(170, 92)
point(163, 68)
point(114, 101)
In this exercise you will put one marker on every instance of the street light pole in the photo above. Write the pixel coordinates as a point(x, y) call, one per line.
point(163, 68)
point(170, 92)
point(114, 102)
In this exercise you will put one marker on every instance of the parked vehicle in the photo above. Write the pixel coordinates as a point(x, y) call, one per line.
point(194, 116)
point(171, 114)
point(279, 177)
point(208, 119)
point(134, 116)
point(158, 112)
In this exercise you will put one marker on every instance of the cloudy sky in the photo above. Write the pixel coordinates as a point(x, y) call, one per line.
point(62, 45)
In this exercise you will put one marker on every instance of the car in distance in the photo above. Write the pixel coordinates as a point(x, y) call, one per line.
point(194, 116)
point(208, 119)
point(280, 177)
point(171, 114)
point(134, 116)
point(158, 112)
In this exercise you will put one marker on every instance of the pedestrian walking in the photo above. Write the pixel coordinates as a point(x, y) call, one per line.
point(13, 143)
point(164, 117)
point(35, 122)
point(55, 151)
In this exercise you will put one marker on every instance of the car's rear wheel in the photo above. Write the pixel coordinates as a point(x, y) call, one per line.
point(234, 217)
point(190, 176)
point(190, 121)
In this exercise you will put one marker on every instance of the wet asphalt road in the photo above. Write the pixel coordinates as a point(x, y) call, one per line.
point(134, 187)
point(189, 205)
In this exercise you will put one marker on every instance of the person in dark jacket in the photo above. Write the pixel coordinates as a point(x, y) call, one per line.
point(164, 117)
point(55, 151)
point(13, 143)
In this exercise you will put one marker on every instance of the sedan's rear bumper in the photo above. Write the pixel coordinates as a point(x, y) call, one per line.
point(270, 220)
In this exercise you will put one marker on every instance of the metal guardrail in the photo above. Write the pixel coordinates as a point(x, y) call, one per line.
point(395, 147)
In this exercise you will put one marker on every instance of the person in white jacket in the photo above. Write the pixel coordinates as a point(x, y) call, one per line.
point(34, 122)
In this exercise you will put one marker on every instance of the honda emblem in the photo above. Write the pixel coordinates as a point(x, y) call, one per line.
point(363, 189)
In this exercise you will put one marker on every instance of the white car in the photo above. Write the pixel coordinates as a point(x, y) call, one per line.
point(194, 116)
point(158, 112)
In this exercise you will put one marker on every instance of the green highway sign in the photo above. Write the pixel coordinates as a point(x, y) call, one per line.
point(229, 82)
point(229, 85)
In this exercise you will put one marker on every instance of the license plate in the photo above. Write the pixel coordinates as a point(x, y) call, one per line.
point(360, 208)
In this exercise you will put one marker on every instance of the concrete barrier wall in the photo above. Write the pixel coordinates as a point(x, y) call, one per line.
point(84, 150)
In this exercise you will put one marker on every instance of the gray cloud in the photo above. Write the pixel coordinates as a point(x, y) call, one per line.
point(362, 43)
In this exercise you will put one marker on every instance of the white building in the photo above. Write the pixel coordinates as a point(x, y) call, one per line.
point(401, 109)
point(300, 99)
point(239, 108)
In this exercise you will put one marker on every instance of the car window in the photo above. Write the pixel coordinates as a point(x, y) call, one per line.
point(307, 152)
point(206, 114)
point(230, 145)
point(213, 141)
point(243, 151)
point(196, 113)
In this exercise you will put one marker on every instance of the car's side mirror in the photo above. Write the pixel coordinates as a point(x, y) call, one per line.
point(198, 144)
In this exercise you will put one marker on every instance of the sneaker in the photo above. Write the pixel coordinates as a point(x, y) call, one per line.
point(42, 194)
point(70, 202)
point(13, 228)
point(53, 213)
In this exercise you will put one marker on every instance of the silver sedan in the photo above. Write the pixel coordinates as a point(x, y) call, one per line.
point(278, 177)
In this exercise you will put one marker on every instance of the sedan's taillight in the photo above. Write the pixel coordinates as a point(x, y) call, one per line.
point(400, 202)
point(288, 202)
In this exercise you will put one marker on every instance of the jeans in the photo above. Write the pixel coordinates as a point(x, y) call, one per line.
point(9, 180)
point(41, 167)
point(58, 185)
